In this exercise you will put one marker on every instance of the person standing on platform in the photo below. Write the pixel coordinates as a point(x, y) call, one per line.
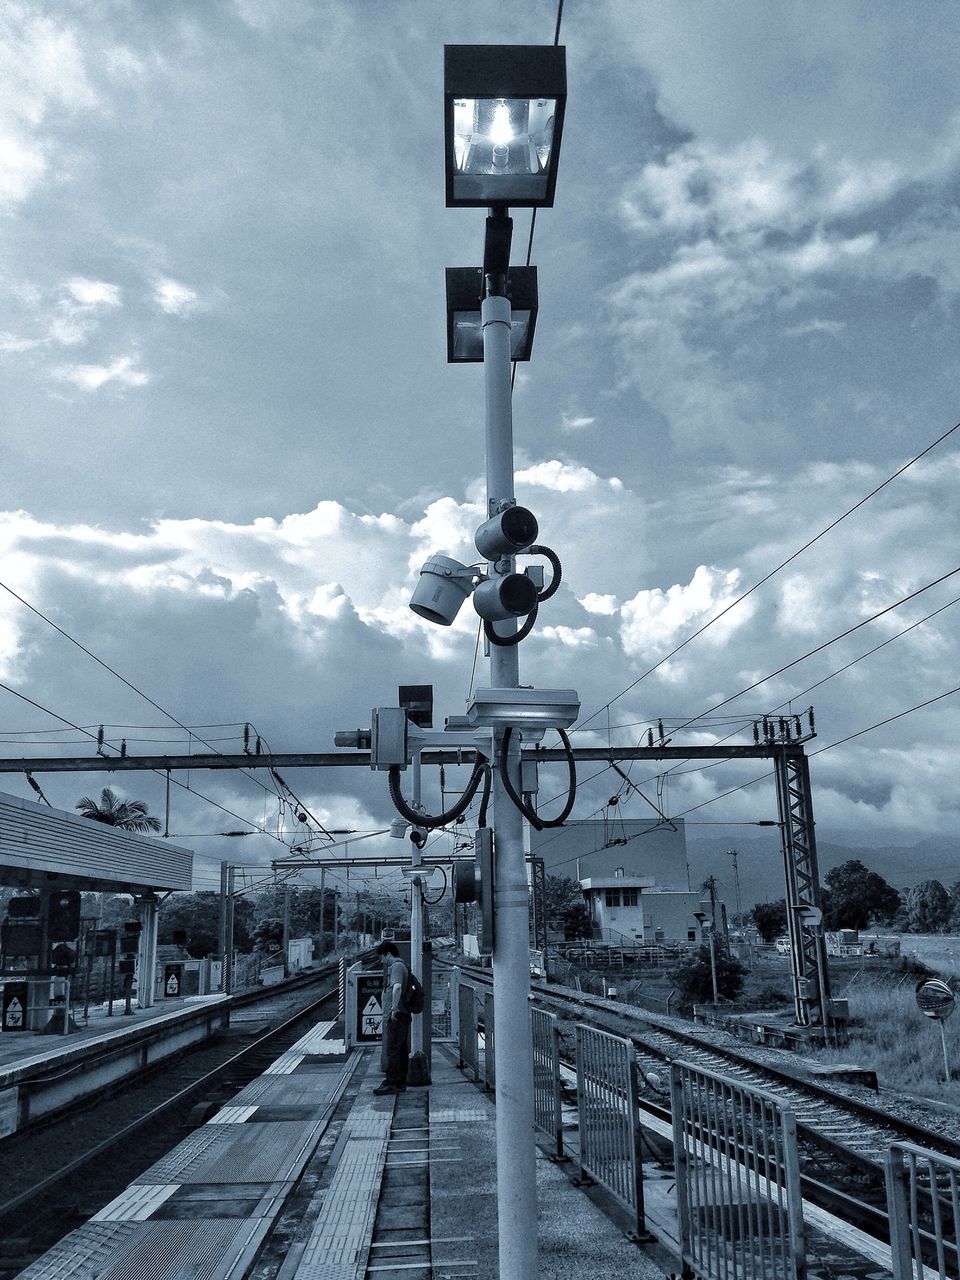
point(396, 1021)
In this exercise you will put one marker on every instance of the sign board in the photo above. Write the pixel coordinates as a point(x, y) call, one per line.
point(172, 980)
point(21, 938)
point(935, 998)
point(14, 1006)
point(369, 1007)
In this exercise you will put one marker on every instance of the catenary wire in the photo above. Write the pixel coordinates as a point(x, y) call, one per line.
point(766, 578)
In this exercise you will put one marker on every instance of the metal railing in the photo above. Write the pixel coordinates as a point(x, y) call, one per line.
point(443, 983)
point(546, 1077)
point(607, 1087)
point(489, 1075)
point(923, 1203)
point(468, 1054)
point(738, 1179)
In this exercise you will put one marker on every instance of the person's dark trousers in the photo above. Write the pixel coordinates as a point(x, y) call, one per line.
point(396, 1032)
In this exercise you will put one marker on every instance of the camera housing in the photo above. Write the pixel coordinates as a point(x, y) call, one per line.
point(443, 586)
point(507, 533)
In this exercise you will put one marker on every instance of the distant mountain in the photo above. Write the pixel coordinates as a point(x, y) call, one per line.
point(760, 863)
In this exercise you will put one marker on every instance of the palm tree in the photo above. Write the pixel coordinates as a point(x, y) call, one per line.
point(129, 815)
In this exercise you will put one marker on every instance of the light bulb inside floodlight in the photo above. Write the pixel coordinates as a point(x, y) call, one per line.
point(501, 130)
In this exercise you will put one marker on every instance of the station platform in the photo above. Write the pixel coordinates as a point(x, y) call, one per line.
point(42, 1073)
point(309, 1175)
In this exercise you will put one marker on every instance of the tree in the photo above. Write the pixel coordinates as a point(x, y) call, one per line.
point(695, 981)
point(198, 916)
point(953, 920)
point(770, 919)
point(128, 815)
point(855, 896)
point(565, 908)
point(928, 907)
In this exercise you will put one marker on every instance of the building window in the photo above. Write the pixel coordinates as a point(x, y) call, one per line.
point(691, 935)
point(630, 897)
point(612, 897)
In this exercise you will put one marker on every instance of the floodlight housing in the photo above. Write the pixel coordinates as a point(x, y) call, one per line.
point(441, 589)
point(503, 117)
point(511, 595)
point(464, 297)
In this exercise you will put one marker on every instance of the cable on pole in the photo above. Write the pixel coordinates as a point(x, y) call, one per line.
point(481, 773)
point(528, 812)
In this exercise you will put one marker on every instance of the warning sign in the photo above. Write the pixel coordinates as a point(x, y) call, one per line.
point(172, 980)
point(14, 1006)
point(369, 1006)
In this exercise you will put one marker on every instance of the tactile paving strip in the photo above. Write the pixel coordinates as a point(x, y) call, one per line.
point(338, 1245)
point(136, 1203)
point(258, 1153)
point(194, 1249)
point(83, 1253)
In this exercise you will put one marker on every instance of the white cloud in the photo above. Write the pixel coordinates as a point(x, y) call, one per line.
point(562, 477)
point(93, 293)
point(573, 422)
point(22, 165)
point(571, 637)
point(603, 604)
point(91, 377)
point(654, 619)
point(174, 298)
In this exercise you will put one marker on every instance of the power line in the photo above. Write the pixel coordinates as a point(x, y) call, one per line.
point(783, 564)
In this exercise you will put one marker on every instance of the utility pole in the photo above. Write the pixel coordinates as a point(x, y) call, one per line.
point(734, 854)
point(225, 936)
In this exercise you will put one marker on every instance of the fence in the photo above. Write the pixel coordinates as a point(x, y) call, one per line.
point(546, 1077)
point(923, 1203)
point(443, 983)
point(607, 1088)
point(468, 1053)
point(488, 1074)
point(738, 1179)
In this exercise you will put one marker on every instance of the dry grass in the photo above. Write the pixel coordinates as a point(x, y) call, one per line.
point(889, 1033)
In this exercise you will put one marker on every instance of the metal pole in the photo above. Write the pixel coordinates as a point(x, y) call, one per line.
point(513, 1053)
point(734, 854)
point(713, 965)
point(228, 953)
point(416, 914)
point(286, 931)
point(946, 1056)
point(323, 910)
point(222, 929)
point(336, 920)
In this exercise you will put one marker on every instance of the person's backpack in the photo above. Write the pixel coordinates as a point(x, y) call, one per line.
point(413, 995)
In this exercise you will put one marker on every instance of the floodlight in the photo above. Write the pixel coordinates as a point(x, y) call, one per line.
point(464, 296)
point(503, 116)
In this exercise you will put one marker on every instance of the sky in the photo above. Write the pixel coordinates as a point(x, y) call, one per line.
point(231, 437)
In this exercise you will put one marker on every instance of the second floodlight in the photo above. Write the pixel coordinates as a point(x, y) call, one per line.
point(464, 299)
point(507, 533)
point(441, 589)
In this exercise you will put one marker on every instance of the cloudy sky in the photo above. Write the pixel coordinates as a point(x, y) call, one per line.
point(231, 437)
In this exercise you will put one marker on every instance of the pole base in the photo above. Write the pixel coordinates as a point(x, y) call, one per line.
point(418, 1073)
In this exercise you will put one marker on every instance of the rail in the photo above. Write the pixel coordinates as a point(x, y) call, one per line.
point(738, 1179)
point(923, 1205)
point(607, 1088)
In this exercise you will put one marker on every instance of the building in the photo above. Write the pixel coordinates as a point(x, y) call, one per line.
point(632, 910)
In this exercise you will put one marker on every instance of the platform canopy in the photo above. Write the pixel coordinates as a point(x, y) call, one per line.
point(42, 847)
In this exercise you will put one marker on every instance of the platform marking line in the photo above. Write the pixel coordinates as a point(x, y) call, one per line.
point(233, 1115)
point(136, 1203)
point(284, 1065)
point(403, 1244)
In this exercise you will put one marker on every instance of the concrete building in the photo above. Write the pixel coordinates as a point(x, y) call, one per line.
point(633, 909)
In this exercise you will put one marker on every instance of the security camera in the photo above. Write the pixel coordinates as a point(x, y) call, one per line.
point(507, 533)
point(443, 586)
point(509, 596)
point(418, 837)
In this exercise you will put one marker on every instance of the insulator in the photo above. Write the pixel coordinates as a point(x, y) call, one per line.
point(810, 718)
point(788, 731)
point(100, 738)
point(783, 727)
point(649, 737)
point(756, 732)
point(796, 725)
point(766, 729)
point(660, 729)
point(257, 745)
point(246, 737)
point(613, 800)
point(301, 817)
point(123, 747)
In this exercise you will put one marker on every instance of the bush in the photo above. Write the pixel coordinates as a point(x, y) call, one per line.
point(695, 983)
point(770, 996)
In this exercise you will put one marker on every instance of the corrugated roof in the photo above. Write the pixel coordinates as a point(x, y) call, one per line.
point(40, 845)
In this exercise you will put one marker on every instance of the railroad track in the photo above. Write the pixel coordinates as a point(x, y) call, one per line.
point(84, 1157)
point(849, 1130)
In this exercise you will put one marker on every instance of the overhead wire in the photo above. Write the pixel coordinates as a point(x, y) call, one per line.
point(766, 578)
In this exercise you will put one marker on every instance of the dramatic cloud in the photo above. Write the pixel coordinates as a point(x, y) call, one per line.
point(91, 377)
